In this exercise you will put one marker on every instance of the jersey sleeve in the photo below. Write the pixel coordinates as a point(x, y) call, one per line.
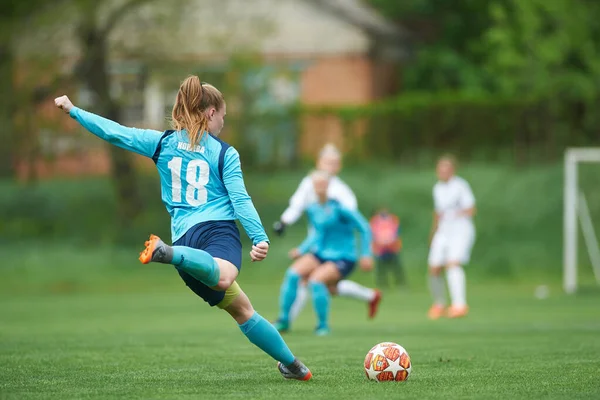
point(241, 201)
point(140, 141)
point(297, 203)
point(361, 223)
point(345, 196)
point(467, 199)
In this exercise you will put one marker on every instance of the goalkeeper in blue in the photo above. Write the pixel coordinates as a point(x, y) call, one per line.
point(328, 254)
point(203, 189)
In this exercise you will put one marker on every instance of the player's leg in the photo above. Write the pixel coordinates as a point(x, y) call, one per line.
point(380, 273)
point(318, 282)
point(354, 290)
point(300, 269)
point(262, 334)
point(300, 302)
point(458, 255)
point(398, 270)
point(211, 271)
point(436, 279)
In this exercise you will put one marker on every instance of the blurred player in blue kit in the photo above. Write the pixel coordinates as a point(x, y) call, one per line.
point(327, 255)
point(330, 161)
point(203, 190)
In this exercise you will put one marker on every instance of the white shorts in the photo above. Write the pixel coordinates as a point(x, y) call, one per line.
point(452, 246)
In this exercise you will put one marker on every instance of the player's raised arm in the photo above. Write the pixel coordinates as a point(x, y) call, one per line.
point(241, 201)
point(140, 141)
point(362, 224)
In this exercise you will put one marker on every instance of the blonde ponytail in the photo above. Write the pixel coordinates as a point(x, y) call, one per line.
point(193, 99)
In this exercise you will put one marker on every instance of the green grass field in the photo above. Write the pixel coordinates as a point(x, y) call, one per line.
point(81, 318)
point(111, 328)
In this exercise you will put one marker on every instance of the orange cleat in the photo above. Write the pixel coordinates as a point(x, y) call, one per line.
point(146, 255)
point(458, 311)
point(436, 311)
point(374, 304)
point(297, 371)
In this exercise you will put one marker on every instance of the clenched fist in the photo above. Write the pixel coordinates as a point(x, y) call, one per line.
point(259, 251)
point(63, 103)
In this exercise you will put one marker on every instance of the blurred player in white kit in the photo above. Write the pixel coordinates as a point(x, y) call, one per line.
point(330, 161)
point(452, 237)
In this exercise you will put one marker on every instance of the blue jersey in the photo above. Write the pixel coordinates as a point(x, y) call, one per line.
point(198, 184)
point(332, 236)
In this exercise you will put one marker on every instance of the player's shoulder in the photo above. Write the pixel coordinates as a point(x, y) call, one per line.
point(334, 203)
point(305, 184)
point(215, 143)
point(337, 181)
point(460, 181)
point(220, 150)
point(312, 208)
point(339, 206)
point(341, 188)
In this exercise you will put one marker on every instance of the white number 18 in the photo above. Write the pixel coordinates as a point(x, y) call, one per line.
point(196, 177)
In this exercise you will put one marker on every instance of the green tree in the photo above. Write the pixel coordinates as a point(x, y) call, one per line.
point(94, 22)
point(447, 38)
point(545, 47)
point(13, 13)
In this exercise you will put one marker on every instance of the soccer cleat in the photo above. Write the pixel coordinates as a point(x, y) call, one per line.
point(297, 370)
point(458, 311)
point(436, 311)
point(322, 331)
point(374, 304)
point(281, 326)
point(156, 251)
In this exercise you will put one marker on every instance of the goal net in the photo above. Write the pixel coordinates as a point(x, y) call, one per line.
point(580, 203)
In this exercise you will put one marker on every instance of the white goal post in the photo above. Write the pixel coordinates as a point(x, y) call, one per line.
point(575, 207)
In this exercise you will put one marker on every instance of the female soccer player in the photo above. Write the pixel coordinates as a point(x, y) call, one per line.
point(453, 235)
point(203, 189)
point(326, 256)
point(330, 161)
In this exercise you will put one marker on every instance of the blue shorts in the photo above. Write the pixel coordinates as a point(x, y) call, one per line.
point(344, 266)
point(220, 239)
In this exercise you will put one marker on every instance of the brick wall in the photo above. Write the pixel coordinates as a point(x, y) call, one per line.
point(335, 80)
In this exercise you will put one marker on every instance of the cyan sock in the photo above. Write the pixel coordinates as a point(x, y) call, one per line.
point(198, 264)
point(287, 294)
point(321, 297)
point(263, 335)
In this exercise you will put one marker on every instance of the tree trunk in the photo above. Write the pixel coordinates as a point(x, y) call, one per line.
point(7, 108)
point(94, 70)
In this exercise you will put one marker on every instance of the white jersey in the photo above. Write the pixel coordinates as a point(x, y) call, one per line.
point(450, 199)
point(305, 195)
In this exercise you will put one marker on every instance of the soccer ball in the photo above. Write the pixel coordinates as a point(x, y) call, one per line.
point(387, 361)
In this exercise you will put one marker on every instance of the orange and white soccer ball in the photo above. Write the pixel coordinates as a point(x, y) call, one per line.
point(386, 362)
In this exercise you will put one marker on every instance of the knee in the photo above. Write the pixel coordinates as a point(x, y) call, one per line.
point(451, 265)
point(225, 282)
